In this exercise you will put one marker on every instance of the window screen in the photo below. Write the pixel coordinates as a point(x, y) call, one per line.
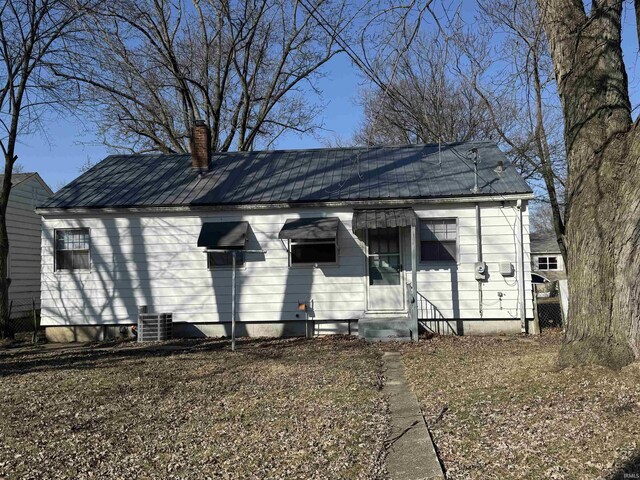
point(72, 249)
point(224, 259)
point(438, 240)
point(313, 251)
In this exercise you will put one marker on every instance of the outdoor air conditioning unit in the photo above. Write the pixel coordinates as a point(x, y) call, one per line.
point(154, 327)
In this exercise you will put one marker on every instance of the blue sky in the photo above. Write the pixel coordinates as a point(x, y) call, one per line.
point(68, 142)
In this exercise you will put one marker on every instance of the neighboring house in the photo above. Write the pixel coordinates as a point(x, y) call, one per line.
point(547, 264)
point(28, 190)
point(347, 232)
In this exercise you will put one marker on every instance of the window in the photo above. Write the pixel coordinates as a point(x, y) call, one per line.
point(438, 240)
point(72, 249)
point(224, 259)
point(313, 251)
point(384, 256)
point(547, 263)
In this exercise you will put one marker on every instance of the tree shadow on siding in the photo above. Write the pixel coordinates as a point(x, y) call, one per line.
point(119, 281)
point(455, 297)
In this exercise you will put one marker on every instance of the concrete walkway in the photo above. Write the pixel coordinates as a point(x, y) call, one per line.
point(410, 451)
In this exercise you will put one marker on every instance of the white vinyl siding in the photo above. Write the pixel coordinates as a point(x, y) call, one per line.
point(154, 261)
point(24, 230)
point(452, 288)
point(145, 259)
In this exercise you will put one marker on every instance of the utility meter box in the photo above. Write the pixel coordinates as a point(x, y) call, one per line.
point(506, 269)
point(481, 271)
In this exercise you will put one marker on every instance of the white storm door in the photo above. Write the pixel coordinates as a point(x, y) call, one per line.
point(386, 289)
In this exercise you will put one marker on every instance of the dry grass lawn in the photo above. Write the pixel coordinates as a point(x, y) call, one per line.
point(500, 409)
point(273, 409)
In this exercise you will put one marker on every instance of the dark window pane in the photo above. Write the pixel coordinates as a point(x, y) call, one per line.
point(438, 251)
point(383, 240)
point(64, 260)
point(224, 259)
point(81, 260)
point(313, 253)
point(384, 270)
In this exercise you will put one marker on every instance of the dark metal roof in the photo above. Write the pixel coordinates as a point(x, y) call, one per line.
point(291, 176)
point(383, 218)
point(223, 234)
point(544, 243)
point(310, 229)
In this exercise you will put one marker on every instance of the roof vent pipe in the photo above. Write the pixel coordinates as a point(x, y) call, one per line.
point(200, 145)
point(500, 167)
point(474, 156)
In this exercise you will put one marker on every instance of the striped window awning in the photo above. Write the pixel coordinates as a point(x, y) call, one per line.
point(383, 218)
point(223, 235)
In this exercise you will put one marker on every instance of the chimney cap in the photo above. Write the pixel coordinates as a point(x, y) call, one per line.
point(200, 123)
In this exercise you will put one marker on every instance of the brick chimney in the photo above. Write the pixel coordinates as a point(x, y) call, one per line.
point(200, 145)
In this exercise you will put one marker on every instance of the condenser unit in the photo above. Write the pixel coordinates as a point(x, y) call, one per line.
point(154, 327)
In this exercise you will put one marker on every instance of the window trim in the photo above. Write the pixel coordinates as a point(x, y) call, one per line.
point(547, 258)
point(419, 243)
point(334, 242)
point(57, 270)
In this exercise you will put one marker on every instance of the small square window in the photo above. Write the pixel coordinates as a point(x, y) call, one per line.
point(547, 263)
point(72, 249)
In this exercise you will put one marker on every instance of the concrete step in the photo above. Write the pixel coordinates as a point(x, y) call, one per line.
point(388, 335)
point(368, 324)
point(386, 323)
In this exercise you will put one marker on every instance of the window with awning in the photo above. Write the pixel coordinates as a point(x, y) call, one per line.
point(223, 236)
point(311, 240)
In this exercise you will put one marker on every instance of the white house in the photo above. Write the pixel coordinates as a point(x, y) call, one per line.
point(28, 190)
point(333, 239)
point(547, 264)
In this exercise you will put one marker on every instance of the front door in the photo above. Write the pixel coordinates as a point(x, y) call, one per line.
point(386, 291)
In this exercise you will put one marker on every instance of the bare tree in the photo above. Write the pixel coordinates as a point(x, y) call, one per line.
point(603, 189)
point(434, 76)
point(248, 68)
point(435, 106)
point(506, 60)
point(32, 36)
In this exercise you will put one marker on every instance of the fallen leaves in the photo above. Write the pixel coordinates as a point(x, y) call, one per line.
point(273, 409)
point(512, 414)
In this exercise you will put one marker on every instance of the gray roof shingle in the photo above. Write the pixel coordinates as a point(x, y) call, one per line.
point(291, 176)
point(544, 243)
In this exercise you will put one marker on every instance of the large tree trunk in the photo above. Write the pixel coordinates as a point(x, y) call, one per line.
point(5, 321)
point(603, 196)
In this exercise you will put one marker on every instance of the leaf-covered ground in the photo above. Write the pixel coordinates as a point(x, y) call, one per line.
point(272, 409)
point(501, 409)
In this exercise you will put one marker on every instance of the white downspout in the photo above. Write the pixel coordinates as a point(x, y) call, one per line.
point(479, 258)
point(520, 255)
point(414, 283)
